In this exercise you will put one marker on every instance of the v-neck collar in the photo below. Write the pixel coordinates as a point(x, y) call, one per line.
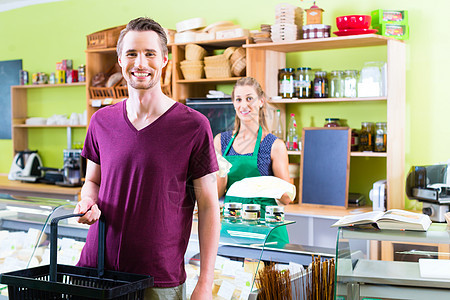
point(134, 129)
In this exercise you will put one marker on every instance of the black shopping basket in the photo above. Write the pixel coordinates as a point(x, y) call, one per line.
point(70, 282)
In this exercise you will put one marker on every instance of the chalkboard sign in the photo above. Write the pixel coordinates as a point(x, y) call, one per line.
point(9, 75)
point(325, 166)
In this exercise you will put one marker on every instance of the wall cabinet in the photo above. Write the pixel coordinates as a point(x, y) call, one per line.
point(19, 113)
point(264, 61)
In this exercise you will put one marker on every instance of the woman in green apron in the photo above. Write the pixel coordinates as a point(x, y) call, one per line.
point(252, 150)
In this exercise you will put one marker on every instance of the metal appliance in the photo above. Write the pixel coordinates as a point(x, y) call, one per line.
point(26, 166)
point(74, 168)
point(219, 111)
point(430, 185)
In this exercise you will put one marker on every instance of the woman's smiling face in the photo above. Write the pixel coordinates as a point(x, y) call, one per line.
point(247, 103)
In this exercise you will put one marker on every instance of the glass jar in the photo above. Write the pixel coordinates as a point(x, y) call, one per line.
point(331, 122)
point(232, 210)
point(350, 80)
point(251, 212)
point(354, 140)
point(304, 82)
point(274, 214)
point(380, 137)
point(336, 84)
point(366, 136)
point(286, 79)
point(321, 85)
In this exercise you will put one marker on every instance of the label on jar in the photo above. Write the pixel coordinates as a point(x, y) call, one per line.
point(304, 83)
point(287, 87)
point(251, 215)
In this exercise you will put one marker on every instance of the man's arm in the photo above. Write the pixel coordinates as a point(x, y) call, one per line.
point(89, 195)
point(208, 231)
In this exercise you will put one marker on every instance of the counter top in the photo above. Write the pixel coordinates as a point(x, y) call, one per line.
point(308, 210)
point(18, 188)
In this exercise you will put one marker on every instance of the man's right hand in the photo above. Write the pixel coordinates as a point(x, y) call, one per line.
point(90, 209)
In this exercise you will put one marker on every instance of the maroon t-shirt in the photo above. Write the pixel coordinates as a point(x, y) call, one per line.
point(146, 191)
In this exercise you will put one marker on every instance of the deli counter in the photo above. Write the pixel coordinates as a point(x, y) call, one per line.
point(25, 230)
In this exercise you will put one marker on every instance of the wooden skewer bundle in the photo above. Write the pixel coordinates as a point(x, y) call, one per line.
point(274, 284)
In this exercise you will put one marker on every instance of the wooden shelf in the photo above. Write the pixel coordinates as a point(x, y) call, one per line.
point(353, 153)
point(102, 50)
point(209, 80)
point(354, 41)
point(106, 101)
point(36, 86)
point(217, 43)
point(326, 100)
point(47, 126)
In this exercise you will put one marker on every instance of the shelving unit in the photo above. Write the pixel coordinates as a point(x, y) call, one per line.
point(182, 88)
point(19, 113)
point(264, 60)
point(99, 60)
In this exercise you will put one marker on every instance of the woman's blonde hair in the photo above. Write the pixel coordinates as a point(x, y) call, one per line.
point(250, 81)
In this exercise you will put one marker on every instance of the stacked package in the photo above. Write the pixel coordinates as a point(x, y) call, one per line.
point(393, 23)
point(288, 23)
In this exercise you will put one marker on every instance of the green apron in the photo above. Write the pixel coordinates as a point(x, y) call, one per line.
point(244, 167)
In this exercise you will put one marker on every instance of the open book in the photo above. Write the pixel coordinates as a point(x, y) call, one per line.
point(396, 219)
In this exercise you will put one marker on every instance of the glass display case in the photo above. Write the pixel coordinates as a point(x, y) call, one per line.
point(25, 230)
point(243, 250)
point(398, 265)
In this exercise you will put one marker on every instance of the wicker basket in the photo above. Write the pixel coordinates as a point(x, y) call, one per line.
point(192, 63)
point(239, 53)
point(218, 72)
point(215, 59)
point(194, 52)
point(192, 72)
point(239, 66)
point(105, 38)
point(121, 91)
point(229, 51)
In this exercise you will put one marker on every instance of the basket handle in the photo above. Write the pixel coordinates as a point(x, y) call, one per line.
point(54, 245)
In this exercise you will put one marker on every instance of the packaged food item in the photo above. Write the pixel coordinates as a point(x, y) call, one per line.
point(331, 122)
point(354, 140)
point(251, 212)
point(398, 31)
point(24, 77)
point(381, 16)
point(232, 210)
point(274, 214)
point(286, 79)
point(303, 83)
point(321, 85)
point(380, 137)
point(315, 31)
point(350, 81)
point(292, 136)
point(336, 84)
point(366, 136)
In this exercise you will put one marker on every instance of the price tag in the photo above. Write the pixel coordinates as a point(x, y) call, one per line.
point(96, 103)
point(226, 290)
point(107, 101)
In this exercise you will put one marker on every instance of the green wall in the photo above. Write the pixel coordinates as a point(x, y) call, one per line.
point(43, 34)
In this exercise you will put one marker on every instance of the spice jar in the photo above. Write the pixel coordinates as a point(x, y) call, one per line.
point(354, 140)
point(251, 212)
point(303, 83)
point(365, 136)
point(380, 137)
point(274, 214)
point(331, 122)
point(350, 80)
point(321, 85)
point(232, 210)
point(286, 78)
point(336, 84)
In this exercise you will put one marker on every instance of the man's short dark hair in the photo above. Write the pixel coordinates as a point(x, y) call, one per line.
point(143, 24)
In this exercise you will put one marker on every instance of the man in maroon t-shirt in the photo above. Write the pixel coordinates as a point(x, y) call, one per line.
point(149, 159)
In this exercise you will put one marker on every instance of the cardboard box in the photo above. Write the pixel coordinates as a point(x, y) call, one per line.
point(381, 16)
point(398, 31)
